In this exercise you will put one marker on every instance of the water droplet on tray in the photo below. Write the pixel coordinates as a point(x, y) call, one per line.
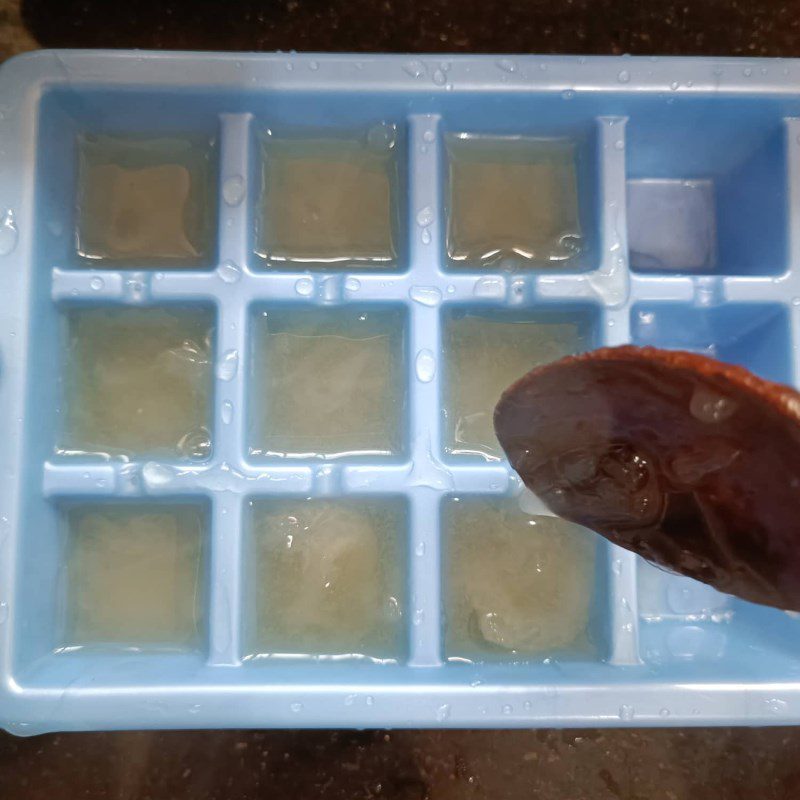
point(507, 65)
point(8, 233)
point(425, 366)
point(195, 445)
point(96, 283)
point(154, 474)
point(429, 136)
point(382, 137)
point(624, 76)
point(626, 713)
point(230, 272)
point(507, 709)
point(352, 284)
point(416, 69)
point(3, 612)
point(233, 190)
point(296, 708)
point(439, 78)
point(313, 65)
point(227, 412)
point(228, 365)
point(426, 236)
point(429, 296)
point(425, 217)
point(304, 287)
point(419, 549)
point(489, 287)
point(442, 713)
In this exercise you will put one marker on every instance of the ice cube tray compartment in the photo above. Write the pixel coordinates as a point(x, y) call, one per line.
point(705, 151)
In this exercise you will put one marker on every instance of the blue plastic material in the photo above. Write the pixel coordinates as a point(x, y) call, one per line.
point(694, 162)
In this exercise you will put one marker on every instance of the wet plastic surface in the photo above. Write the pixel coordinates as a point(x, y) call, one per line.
point(669, 652)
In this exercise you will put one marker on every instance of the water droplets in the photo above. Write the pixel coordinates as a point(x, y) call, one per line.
point(155, 474)
point(430, 296)
point(352, 284)
point(96, 283)
point(233, 190)
point(415, 68)
point(418, 617)
point(382, 137)
point(507, 65)
point(568, 94)
point(626, 713)
point(710, 407)
point(776, 706)
point(3, 612)
point(226, 412)
point(196, 444)
point(425, 366)
point(426, 236)
point(313, 65)
point(304, 287)
point(429, 136)
point(230, 272)
point(425, 217)
point(747, 72)
point(228, 365)
point(8, 233)
point(419, 549)
point(624, 76)
point(296, 708)
point(442, 712)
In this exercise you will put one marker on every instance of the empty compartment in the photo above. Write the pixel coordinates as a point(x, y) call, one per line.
point(134, 575)
point(516, 201)
point(126, 180)
point(137, 381)
point(486, 351)
point(330, 199)
point(328, 382)
point(326, 577)
point(517, 584)
point(707, 188)
point(144, 200)
point(753, 335)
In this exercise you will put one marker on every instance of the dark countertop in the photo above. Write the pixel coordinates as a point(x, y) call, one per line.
point(668, 764)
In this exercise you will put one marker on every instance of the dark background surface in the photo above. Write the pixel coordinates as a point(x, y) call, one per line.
point(669, 764)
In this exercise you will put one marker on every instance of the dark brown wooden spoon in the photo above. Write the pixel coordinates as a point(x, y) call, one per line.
point(692, 463)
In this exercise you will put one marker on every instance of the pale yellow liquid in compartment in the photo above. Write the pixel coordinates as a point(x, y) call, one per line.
point(512, 198)
point(328, 383)
point(134, 575)
point(516, 584)
point(327, 577)
point(484, 356)
point(329, 201)
point(138, 382)
point(142, 200)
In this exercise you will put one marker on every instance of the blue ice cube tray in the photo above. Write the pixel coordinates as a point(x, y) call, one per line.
point(690, 182)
